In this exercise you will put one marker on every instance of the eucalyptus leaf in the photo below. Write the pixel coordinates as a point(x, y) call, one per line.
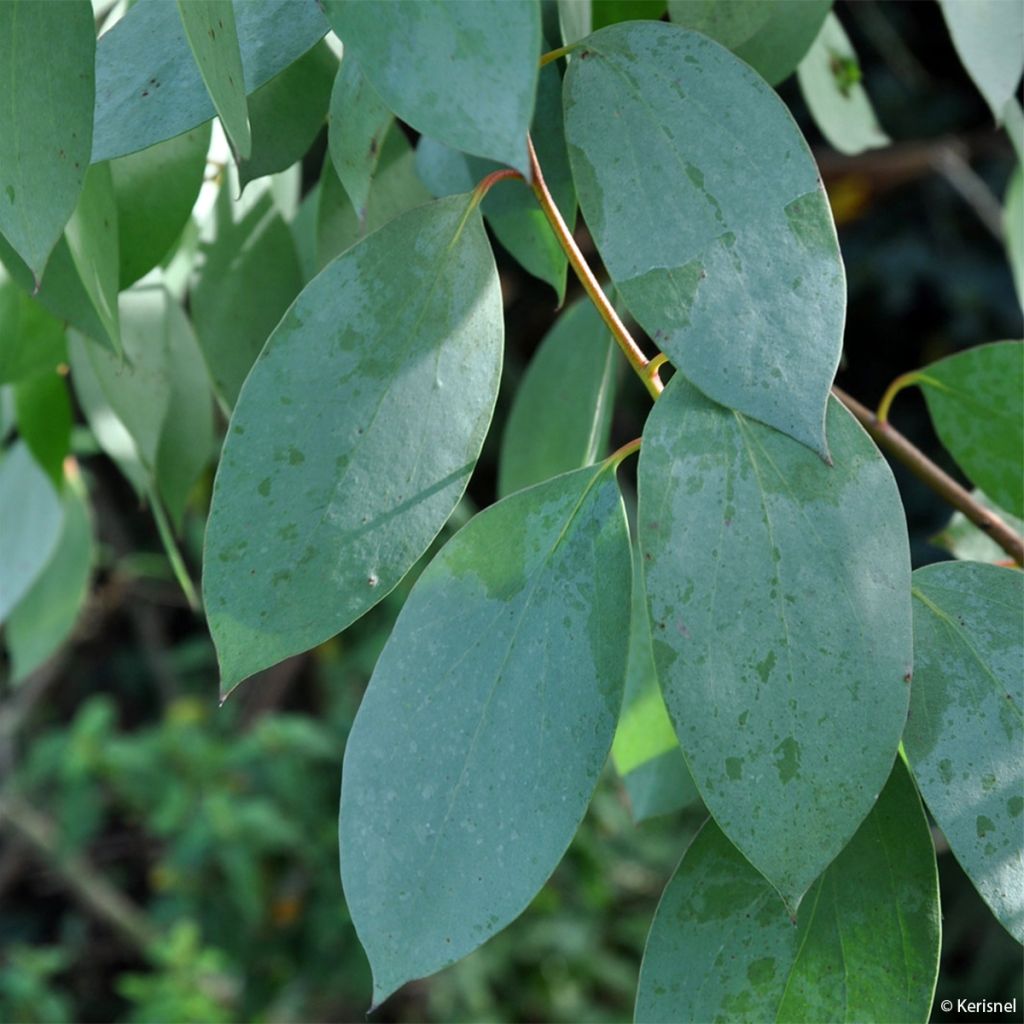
point(31, 517)
point(31, 339)
point(830, 84)
point(1013, 228)
point(976, 401)
point(468, 770)
point(43, 411)
point(709, 214)
point(463, 73)
point(865, 946)
point(966, 727)
point(561, 414)
point(962, 539)
point(772, 36)
point(47, 57)
point(770, 577)
point(148, 87)
point(575, 20)
point(325, 414)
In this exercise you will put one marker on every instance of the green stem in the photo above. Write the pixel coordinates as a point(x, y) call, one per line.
point(624, 452)
point(562, 51)
point(493, 178)
point(173, 554)
point(903, 381)
point(632, 351)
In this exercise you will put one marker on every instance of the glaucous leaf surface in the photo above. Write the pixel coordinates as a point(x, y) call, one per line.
point(47, 58)
point(829, 78)
point(31, 339)
point(976, 401)
point(44, 618)
point(359, 120)
point(369, 403)
point(486, 725)
point(989, 39)
point(43, 411)
point(865, 946)
point(287, 113)
point(464, 73)
point(155, 190)
point(31, 516)
point(772, 36)
point(561, 414)
point(148, 87)
point(724, 251)
point(1013, 228)
point(248, 277)
point(962, 539)
point(770, 577)
point(92, 239)
point(213, 39)
point(966, 728)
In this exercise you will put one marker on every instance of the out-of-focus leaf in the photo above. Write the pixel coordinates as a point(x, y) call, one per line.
point(43, 411)
point(31, 340)
point(1013, 228)
point(962, 539)
point(575, 19)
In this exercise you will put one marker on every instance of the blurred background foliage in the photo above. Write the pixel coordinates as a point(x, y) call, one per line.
point(166, 859)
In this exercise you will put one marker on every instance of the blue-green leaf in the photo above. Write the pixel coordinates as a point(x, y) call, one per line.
point(711, 219)
point(47, 56)
point(463, 73)
point(473, 758)
point(770, 577)
point(966, 728)
point(370, 401)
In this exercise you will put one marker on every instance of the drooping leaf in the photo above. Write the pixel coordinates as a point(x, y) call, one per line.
point(370, 400)
point(770, 577)
point(287, 113)
point(962, 539)
point(92, 239)
point(976, 401)
point(865, 946)
point(31, 340)
point(43, 411)
point(510, 206)
point(155, 190)
point(396, 188)
point(464, 74)
point(248, 277)
point(830, 83)
point(44, 618)
point(468, 770)
point(561, 414)
point(148, 87)
point(772, 36)
point(966, 727)
point(1013, 228)
point(724, 251)
point(303, 229)
point(47, 56)
point(575, 19)
point(30, 522)
point(359, 120)
point(989, 39)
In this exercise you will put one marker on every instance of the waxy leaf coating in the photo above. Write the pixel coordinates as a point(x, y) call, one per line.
point(328, 488)
point(486, 725)
point(966, 728)
point(770, 579)
point(865, 946)
point(708, 211)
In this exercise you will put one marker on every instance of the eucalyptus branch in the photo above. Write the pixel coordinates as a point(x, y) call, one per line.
point(936, 478)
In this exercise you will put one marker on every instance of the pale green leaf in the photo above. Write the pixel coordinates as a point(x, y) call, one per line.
point(359, 120)
point(772, 36)
point(1013, 228)
point(962, 539)
point(966, 728)
point(31, 340)
point(462, 73)
point(865, 946)
point(30, 523)
point(44, 618)
point(770, 577)
point(370, 401)
point(155, 190)
point(148, 87)
point(473, 758)
point(561, 414)
point(575, 19)
point(976, 401)
point(287, 113)
point(213, 38)
point(47, 56)
point(43, 411)
point(724, 251)
point(989, 39)
point(830, 83)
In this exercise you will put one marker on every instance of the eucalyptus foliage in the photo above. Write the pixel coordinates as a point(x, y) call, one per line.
point(755, 647)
